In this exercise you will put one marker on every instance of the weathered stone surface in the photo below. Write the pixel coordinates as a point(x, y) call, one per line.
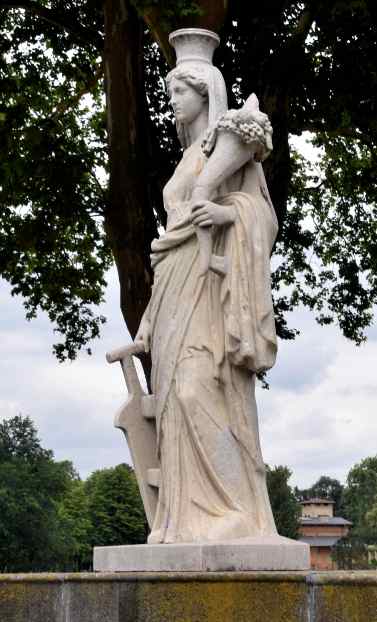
point(210, 322)
point(262, 553)
point(350, 596)
point(30, 601)
point(57, 598)
point(190, 597)
point(92, 603)
point(211, 601)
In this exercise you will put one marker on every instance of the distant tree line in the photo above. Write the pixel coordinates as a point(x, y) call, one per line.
point(50, 519)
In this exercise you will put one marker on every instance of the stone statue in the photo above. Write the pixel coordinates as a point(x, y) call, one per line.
point(210, 328)
point(210, 322)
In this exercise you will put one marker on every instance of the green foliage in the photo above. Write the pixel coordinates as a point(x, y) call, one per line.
point(19, 440)
point(285, 507)
point(31, 487)
point(115, 507)
point(351, 553)
point(357, 501)
point(76, 528)
point(50, 519)
point(52, 245)
point(360, 498)
point(371, 520)
point(328, 250)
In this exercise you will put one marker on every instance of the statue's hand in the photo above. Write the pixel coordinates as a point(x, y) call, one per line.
point(144, 334)
point(207, 213)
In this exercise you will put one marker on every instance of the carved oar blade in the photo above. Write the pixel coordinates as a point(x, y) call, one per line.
point(136, 420)
point(140, 434)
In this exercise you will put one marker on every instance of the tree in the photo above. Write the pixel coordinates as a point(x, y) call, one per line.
point(326, 488)
point(31, 486)
point(371, 521)
point(115, 507)
point(76, 528)
point(285, 507)
point(360, 497)
point(19, 440)
point(360, 502)
point(50, 519)
point(351, 553)
point(61, 224)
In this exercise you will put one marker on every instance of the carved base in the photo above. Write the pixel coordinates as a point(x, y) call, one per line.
point(263, 553)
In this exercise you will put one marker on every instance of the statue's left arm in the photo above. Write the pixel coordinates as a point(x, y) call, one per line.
point(229, 156)
point(238, 136)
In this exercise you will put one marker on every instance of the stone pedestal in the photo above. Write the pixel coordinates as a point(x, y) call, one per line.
point(262, 553)
point(189, 596)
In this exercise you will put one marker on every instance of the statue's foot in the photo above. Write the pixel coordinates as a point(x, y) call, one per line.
point(155, 537)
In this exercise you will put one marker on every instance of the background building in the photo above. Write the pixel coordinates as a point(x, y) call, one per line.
point(321, 530)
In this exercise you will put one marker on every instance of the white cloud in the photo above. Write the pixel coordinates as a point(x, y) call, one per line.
point(328, 424)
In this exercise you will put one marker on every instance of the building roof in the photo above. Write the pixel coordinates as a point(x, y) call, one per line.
point(320, 540)
point(324, 520)
point(317, 500)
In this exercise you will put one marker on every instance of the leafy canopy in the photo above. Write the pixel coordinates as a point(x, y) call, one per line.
point(31, 486)
point(52, 245)
point(360, 497)
point(50, 519)
point(311, 63)
point(115, 507)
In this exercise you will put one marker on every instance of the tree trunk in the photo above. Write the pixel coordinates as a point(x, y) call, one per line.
point(277, 167)
point(129, 221)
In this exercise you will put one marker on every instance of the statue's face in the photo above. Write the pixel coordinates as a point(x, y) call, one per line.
point(186, 102)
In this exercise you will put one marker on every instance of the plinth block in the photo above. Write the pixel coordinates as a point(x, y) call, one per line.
point(262, 553)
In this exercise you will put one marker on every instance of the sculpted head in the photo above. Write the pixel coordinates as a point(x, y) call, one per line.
point(188, 95)
point(195, 89)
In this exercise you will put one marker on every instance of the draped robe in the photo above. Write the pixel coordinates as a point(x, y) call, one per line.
point(209, 337)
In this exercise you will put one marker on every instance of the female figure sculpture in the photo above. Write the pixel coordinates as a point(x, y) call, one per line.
point(210, 323)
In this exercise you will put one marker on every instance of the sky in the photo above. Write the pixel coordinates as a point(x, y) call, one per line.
point(318, 417)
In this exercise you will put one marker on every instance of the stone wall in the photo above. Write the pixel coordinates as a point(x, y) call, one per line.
point(190, 597)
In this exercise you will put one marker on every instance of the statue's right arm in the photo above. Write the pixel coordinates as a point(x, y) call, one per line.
point(143, 334)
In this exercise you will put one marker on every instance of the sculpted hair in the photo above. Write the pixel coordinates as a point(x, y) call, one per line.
point(194, 81)
point(197, 83)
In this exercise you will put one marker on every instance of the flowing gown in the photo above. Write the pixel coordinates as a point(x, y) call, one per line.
point(209, 337)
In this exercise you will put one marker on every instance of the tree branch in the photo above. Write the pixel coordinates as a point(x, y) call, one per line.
point(87, 88)
point(58, 19)
point(101, 190)
point(303, 27)
point(348, 132)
